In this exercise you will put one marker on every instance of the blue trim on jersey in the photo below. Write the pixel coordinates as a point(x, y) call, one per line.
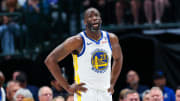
point(97, 42)
point(84, 46)
point(109, 40)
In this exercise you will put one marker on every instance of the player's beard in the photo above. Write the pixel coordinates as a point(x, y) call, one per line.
point(93, 29)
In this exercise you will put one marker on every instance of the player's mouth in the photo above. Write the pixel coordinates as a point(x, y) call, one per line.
point(96, 25)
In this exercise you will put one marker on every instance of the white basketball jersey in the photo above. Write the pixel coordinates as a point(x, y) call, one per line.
point(93, 64)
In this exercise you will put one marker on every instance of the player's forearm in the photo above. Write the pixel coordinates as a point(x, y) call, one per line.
point(55, 71)
point(116, 69)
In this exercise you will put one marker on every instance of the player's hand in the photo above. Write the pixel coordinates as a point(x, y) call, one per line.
point(75, 88)
point(111, 90)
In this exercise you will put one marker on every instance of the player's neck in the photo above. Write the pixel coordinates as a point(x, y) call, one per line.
point(94, 35)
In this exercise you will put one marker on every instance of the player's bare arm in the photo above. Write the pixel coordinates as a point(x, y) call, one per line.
point(117, 60)
point(58, 54)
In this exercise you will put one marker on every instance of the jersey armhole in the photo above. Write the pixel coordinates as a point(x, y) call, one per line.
point(109, 40)
point(84, 46)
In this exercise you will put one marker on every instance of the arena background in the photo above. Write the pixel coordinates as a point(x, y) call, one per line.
point(145, 48)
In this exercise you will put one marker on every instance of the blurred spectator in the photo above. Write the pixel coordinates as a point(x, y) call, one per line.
point(2, 92)
point(49, 5)
point(119, 11)
point(148, 11)
point(57, 16)
point(15, 74)
point(86, 4)
point(46, 6)
point(156, 94)
point(45, 94)
point(59, 98)
point(159, 80)
point(32, 18)
point(53, 3)
point(132, 95)
point(178, 94)
point(159, 9)
point(11, 5)
point(146, 95)
point(101, 6)
point(14, 12)
point(3, 5)
point(70, 98)
point(12, 87)
point(8, 30)
point(111, 12)
point(135, 5)
point(57, 89)
point(122, 94)
point(106, 9)
point(33, 5)
point(21, 94)
point(22, 78)
point(133, 82)
point(21, 3)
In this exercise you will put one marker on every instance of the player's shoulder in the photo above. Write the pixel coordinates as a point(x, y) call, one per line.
point(73, 42)
point(76, 38)
point(112, 36)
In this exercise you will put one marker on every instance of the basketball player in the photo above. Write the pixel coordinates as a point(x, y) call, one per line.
point(91, 50)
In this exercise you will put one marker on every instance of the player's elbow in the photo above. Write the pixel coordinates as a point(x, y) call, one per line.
point(49, 60)
point(119, 58)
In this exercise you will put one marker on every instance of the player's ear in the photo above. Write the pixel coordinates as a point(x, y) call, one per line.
point(85, 22)
point(101, 21)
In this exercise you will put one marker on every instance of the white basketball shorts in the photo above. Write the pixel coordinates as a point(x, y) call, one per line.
point(93, 95)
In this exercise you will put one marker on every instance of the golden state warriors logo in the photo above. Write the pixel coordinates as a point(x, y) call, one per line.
point(99, 61)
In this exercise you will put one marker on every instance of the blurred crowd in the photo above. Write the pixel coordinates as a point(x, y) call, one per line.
point(26, 24)
point(18, 89)
point(130, 11)
point(138, 92)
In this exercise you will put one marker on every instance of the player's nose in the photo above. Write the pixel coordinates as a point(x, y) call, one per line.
point(94, 18)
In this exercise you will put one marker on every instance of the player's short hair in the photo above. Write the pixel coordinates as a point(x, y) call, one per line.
point(91, 8)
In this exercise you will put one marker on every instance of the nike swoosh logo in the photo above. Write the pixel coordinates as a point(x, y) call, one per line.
point(89, 43)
